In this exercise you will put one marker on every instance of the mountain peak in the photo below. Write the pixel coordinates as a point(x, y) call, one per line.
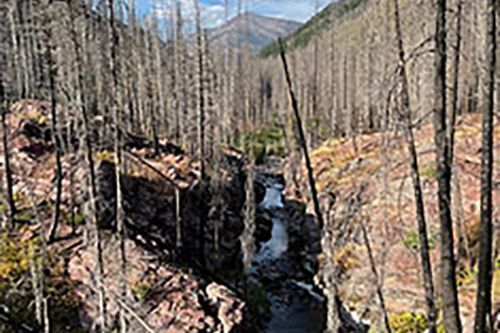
point(252, 28)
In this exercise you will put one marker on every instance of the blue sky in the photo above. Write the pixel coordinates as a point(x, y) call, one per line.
point(213, 10)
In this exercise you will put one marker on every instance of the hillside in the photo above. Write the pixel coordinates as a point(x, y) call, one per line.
point(370, 180)
point(263, 30)
point(314, 26)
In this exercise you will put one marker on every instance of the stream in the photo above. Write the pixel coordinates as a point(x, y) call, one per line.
point(296, 307)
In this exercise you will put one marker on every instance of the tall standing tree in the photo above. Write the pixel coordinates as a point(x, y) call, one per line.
point(415, 176)
point(115, 97)
point(201, 87)
point(449, 294)
point(483, 320)
point(54, 118)
point(89, 154)
point(9, 183)
point(333, 315)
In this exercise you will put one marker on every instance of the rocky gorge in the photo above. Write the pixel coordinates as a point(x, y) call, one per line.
point(183, 247)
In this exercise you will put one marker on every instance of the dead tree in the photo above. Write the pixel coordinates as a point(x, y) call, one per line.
point(483, 320)
point(115, 99)
point(415, 176)
point(89, 154)
point(333, 326)
point(54, 122)
point(449, 296)
point(201, 92)
point(8, 170)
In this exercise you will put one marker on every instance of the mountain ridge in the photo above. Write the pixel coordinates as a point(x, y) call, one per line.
point(252, 28)
point(315, 25)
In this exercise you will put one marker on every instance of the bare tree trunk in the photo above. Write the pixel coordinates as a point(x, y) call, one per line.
point(178, 222)
point(333, 320)
point(380, 293)
point(91, 168)
point(483, 320)
point(15, 47)
point(449, 296)
point(462, 247)
point(455, 88)
point(415, 175)
point(54, 125)
point(6, 151)
point(201, 92)
point(247, 237)
point(120, 213)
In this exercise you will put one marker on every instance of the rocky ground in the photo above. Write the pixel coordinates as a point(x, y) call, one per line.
point(168, 291)
point(367, 180)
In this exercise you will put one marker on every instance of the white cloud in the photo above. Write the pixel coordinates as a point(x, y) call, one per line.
point(212, 11)
point(297, 10)
point(211, 14)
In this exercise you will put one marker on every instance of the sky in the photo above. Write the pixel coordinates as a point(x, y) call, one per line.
point(213, 10)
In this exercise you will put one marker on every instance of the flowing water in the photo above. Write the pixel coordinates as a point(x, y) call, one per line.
point(295, 305)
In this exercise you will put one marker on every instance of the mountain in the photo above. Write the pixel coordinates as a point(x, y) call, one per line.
point(321, 21)
point(262, 30)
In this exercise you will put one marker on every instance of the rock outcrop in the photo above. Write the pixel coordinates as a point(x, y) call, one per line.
point(168, 291)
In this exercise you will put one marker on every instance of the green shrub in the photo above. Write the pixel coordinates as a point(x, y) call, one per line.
point(408, 322)
point(264, 141)
point(412, 241)
point(140, 290)
point(429, 171)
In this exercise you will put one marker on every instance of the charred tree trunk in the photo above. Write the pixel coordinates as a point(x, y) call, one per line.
point(333, 320)
point(201, 92)
point(449, 297)
point(483, 322)
point(415, 175)
point(54, 127)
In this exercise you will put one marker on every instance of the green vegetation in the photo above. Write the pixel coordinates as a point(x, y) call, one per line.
point(314, 26)
point(264, 141)
point(466, 276)
point(412, 241)
point(411, 322)
point(16, 257)
point(79, 219)
point(319, 127)
point(429, 171)
point(140, 290)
